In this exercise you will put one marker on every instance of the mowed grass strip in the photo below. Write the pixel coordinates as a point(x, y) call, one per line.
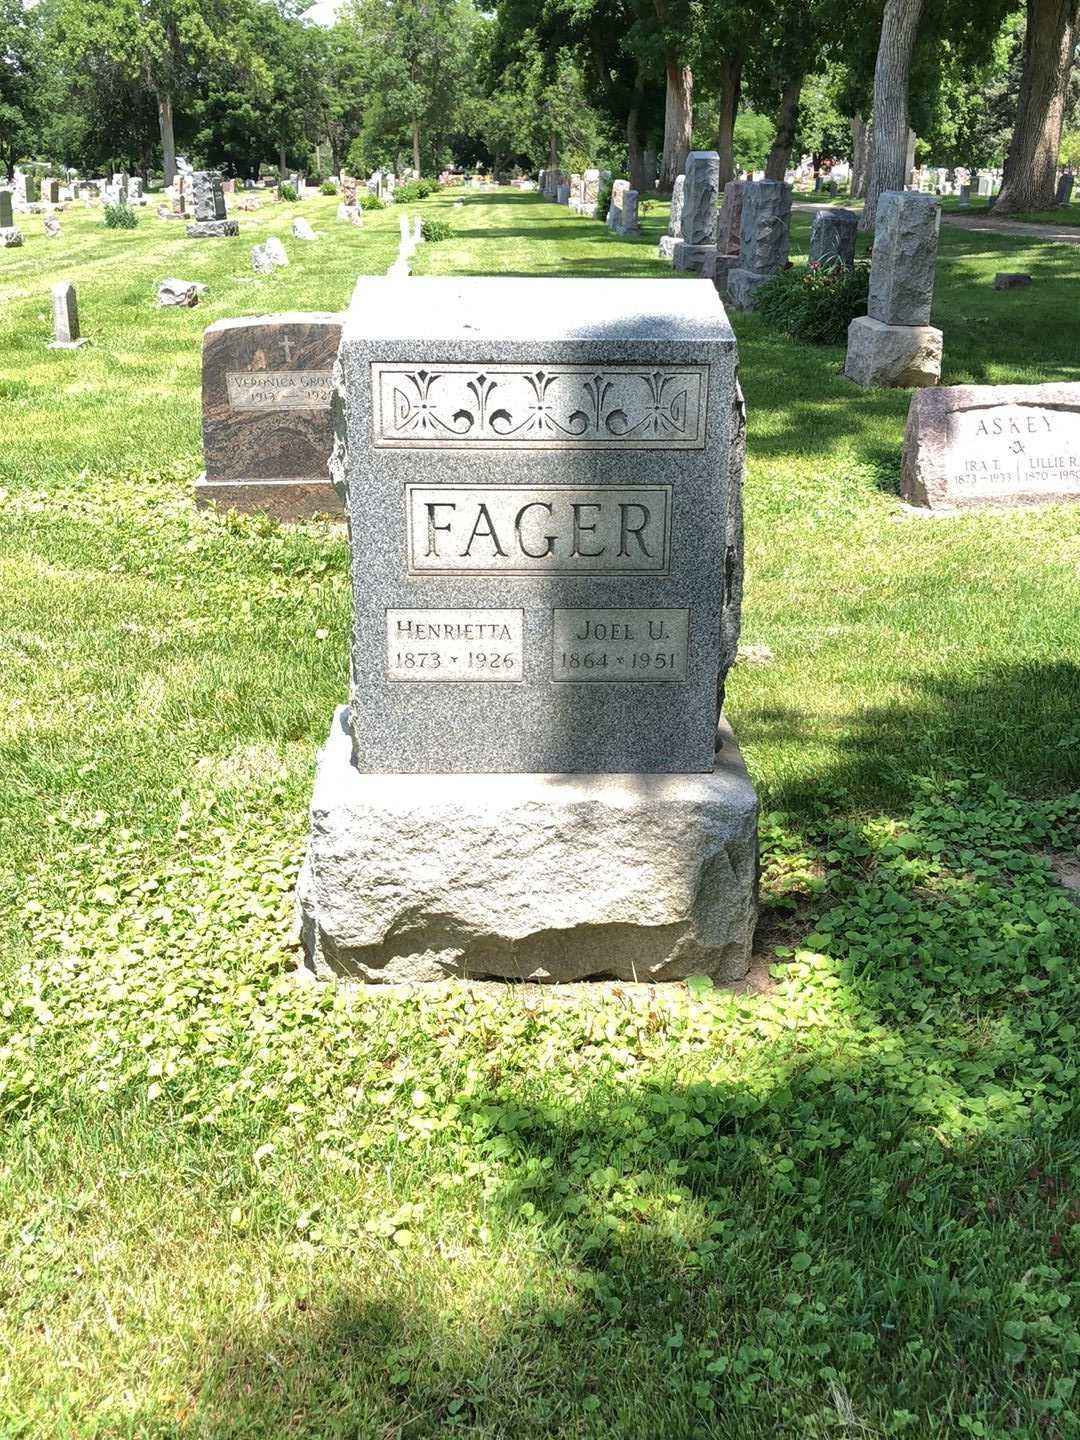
point(231, 1206)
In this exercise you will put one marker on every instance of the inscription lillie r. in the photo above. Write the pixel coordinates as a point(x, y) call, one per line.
point(560, 406)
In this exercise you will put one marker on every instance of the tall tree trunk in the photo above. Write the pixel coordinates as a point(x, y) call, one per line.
point(892, 76)
point(730, 72)
point(635, 154)
point(787, 122)
point(1031, 164)
point(282, 160)
point(860, 156)
point(553, 151)
point(416, 144)
point(168, 139)
point(678, 121)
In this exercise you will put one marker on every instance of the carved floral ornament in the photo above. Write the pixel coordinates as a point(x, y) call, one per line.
point(540, 407)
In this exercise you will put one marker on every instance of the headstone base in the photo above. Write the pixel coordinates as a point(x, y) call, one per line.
point(717, 268)
point(544, 878)
point(284, 500)
point(666, 249)
point(743, 285)
point(67, 344)
point(213, 229)
point(690, 258)
point(892, 355)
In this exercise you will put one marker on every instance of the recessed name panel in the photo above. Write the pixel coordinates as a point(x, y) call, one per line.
point(619, 646)
point(534, 530)
point(448, 646)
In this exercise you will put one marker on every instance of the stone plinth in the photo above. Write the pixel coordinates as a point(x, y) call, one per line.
point(267, 428)
point(832, 237)
point(213, 230)
point(742, 285)
point(530, 876)
point(967, 447)
point(892, 355)
point(905, 251)
point(691, 259)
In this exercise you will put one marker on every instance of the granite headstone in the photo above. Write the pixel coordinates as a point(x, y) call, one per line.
point(971, 446)
point(543, 482)
point(267, 427)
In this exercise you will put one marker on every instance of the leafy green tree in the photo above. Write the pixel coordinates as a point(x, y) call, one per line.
point(21, 81)
point(1050, 41)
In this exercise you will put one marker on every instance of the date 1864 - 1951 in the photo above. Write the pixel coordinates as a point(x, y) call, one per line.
point(613, 646)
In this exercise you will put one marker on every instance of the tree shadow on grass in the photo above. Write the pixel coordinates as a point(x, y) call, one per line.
point(1017, 724)
point(711, 1255)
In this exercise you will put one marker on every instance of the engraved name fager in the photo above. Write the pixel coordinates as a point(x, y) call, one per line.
point(524, 530)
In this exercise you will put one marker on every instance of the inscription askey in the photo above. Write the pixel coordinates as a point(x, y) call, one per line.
point(619, 646)
point(448, 646)
point(527, 529)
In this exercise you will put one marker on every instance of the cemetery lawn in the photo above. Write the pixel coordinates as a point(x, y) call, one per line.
point(843, 1203)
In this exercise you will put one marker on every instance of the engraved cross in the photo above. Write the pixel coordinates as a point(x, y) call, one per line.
point(287, 348)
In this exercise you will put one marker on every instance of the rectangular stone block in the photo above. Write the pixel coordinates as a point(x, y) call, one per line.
point(967, 447)
point(567, 449)
point(892, 355)
point(266, 411)
point(7, 217)
point(832, 237)
point(905, 253)
point(542, 878)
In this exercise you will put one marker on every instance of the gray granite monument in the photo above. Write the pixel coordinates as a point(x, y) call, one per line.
point(894, 342)
point(968, 447)
point(1063, 196)
point(622, 216)
point(531, 778)
point(7, 217)
point(763, 239)
point(832, 238)
point(267, 427)
point(698, 238)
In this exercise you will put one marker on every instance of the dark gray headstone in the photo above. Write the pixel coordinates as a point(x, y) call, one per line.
point(832, 237)
point(1064, 190)
point(208, 196)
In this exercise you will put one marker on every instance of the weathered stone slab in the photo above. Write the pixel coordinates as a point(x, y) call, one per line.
point(742, 285)
point(892, 355)
point(729, 220)
point(971, 446)
point(528, 877)
point(905, 252)
point(7, 217)
point(765, 226)
point(267, 427)
point(541, 446)
point(701, 188)
point(832, 237)
point(1063, 195)
point(208, 196)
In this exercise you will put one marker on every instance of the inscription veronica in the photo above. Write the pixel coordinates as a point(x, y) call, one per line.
point(540, 407)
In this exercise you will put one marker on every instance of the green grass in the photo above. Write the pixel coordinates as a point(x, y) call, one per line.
point(234, 1207)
